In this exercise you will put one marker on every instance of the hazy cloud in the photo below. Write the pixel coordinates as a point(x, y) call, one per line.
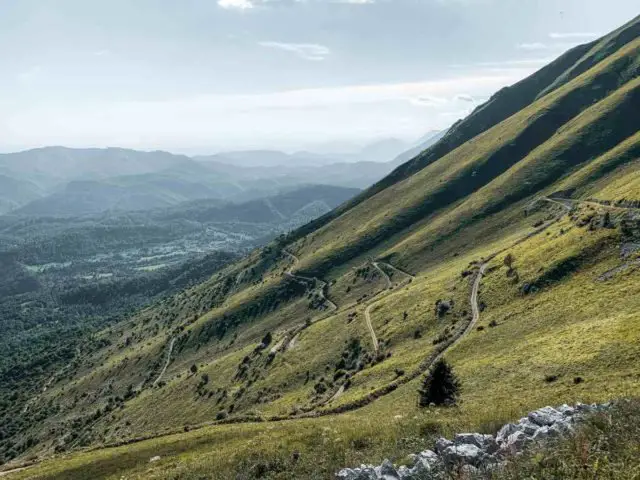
point(532, 46)
point(308, 51)
point(574, 35)
point(236, 4)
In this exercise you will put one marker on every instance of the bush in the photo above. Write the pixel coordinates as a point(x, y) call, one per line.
point(440, 386)
point(222, 415)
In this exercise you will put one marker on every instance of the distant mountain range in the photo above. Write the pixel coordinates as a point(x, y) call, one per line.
point(65, 181)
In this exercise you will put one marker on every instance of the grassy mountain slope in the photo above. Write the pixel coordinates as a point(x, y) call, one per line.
point(316, 343)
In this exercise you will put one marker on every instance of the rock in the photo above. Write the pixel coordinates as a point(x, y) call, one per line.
point(365, 472)
point(429, 456)
point(387, 471)
point(469, 472)
point(546, 416)
point(404, 472)
point(154, 459)
point(474, 455)
point(527, 427)
point(560, 429)
point(542, 434)
point(566, 410)
point(516, 441)
point(476, 439)
point(442, 444)
point(465, 454)
point(505, 431)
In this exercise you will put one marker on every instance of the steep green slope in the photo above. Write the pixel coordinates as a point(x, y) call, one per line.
point(316, 343)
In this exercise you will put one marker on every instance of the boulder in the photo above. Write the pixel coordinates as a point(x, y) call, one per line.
point(365, 472)
point(560, 429)
point(505, 431)
point(465, 454)
point(429, 456)
point(527, 427)
point(442, 444)
point(545, 416)
point(516, 442)
point(541, 435)
point(477, 439)
point(387, 471)
point(567, 410)
point(469, 472)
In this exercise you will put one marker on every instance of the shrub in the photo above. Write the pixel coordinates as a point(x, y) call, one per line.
point(222, 415)
point(440, 386)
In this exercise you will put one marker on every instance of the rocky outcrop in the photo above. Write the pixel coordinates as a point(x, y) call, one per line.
point(475, 454)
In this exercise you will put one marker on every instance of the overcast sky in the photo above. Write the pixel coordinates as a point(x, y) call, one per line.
point(208, 75)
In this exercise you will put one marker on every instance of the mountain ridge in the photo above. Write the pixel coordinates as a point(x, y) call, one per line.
point(494, 241)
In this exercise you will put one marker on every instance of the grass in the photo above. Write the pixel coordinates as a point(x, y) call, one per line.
point(438, 224)
point(605, 447)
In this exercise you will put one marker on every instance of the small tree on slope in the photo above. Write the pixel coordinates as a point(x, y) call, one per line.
point(440, 386)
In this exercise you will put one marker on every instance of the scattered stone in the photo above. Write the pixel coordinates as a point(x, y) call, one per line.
point(473, 454)
point(154, 459)
point(545, 416)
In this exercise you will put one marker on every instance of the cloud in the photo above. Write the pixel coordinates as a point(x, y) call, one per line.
point(262, 119)
point(465, 97)
point(308, 51)
point(532, 46)
point(248, 4)
point(574, 35)
point(235, 4)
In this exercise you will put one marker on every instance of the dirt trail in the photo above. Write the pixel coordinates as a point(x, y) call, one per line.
point(384, 274)
point(166, 363)
point(367, 311)
point(335, 396)
point(569, 202)
point(290, 340)
point(322, 283)
point(9, 472)
point(399, 270)
point(367, 317)
point(562, 202)
point(475, 309)
point(278, 346)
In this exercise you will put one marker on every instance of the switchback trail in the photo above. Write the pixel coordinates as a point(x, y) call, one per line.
point(367, 311)
point(313, 280)
point(384, 274)
point(293, 335)
point(166, 363)
point(424, 366)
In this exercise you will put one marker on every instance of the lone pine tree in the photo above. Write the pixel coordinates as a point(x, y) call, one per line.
point(440, 386)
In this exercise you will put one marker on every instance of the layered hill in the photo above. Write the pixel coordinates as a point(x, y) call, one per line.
point(511, 246)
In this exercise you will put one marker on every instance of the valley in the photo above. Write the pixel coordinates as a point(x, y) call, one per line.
point(510, 248)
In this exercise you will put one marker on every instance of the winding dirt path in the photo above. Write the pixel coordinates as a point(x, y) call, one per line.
point(399, 270)
point(367, 317)
point(313, 280)
point(384, 274)
point(166, 363)
point(14, 470)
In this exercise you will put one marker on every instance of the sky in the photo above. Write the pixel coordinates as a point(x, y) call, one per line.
point(200, 76)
